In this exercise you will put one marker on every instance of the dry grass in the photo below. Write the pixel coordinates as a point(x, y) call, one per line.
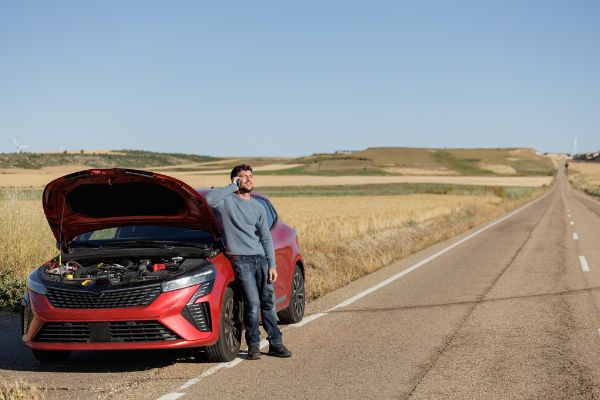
point(585, 177)
point(19, 390)
point(39, 180)
point(26, 242)
point(350, 237)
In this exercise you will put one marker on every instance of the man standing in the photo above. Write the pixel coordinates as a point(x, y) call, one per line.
point(250, 248)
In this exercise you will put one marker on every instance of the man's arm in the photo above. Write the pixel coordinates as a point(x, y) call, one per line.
point(215, 196)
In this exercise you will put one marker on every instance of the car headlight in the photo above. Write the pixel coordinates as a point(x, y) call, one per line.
point(35, 284)
point(197, 277)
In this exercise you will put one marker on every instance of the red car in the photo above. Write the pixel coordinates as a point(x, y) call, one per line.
point(142, 266)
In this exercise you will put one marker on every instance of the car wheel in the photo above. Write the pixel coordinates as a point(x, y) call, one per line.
point(49, 356)
point(295, 311)
point(230, 330)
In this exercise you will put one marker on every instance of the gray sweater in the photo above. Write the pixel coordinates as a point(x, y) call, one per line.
point(244, 224)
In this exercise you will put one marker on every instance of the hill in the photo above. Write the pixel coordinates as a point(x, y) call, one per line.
point(101, 159)
point(374, 161)
point(426, 161)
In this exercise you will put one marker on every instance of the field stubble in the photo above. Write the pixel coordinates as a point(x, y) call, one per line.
point(585, 177)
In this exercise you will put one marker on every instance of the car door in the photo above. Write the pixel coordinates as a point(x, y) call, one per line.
point(283, 250)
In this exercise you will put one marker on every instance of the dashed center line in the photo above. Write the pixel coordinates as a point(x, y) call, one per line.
point(584, 265)
point(575, 236)
point(572, 223)
point(570, 216)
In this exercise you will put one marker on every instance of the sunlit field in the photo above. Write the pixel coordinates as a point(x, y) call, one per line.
point(585, 177)
point(344, 238)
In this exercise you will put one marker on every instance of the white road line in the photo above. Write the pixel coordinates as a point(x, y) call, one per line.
point(575, 236)
point(584, 265)
point(351, 300)
point(570, 216)
point(572, 223)
point(599, 331)
point(171, 396)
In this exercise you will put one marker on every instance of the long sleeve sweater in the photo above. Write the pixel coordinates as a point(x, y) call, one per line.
point(244, 223)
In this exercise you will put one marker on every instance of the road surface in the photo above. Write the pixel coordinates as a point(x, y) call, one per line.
point(510, 310)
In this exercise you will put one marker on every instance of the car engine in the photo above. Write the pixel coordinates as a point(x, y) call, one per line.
point(118, 271)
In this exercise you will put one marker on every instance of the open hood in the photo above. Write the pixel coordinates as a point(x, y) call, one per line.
point(103, 198)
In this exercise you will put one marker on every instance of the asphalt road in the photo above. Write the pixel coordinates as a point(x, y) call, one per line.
point(511, 311)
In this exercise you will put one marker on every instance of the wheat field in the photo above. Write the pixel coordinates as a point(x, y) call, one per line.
point(40, 178)
point(585, 177)
point(349, 237)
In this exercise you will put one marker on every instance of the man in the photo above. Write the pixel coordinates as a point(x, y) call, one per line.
point(250, 248)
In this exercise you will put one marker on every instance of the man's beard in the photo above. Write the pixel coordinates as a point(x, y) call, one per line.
point(243, 190)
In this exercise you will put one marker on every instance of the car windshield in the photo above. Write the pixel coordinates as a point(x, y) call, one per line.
point(143, 234)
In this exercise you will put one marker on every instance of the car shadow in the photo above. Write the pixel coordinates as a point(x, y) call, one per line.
point(17, 357)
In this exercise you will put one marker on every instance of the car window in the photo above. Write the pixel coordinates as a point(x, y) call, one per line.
point(271, 214)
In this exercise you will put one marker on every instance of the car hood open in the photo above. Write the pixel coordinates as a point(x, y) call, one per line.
point(96, 199)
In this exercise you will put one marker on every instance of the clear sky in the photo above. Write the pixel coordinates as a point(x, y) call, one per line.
point(290, 78)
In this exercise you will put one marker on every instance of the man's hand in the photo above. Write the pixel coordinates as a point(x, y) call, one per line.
point(237, 180)
point(272, 274)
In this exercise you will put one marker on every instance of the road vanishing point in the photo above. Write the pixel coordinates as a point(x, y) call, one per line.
point(509, 310)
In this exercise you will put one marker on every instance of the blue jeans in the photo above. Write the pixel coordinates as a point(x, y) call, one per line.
point(251, 273)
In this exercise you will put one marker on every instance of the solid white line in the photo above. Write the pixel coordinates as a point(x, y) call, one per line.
point(575, 236)
point(218, 367)
point(572, 223)
point(308, 319)
point(171, 396)
point(360, 295)
point(584, 265)
point(430, 258)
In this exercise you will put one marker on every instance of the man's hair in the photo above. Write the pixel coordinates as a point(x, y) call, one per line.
point(238, 168)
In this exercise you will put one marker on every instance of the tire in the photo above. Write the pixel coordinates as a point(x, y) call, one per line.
point(230, 329)
point(51, 356)
point(295, 311)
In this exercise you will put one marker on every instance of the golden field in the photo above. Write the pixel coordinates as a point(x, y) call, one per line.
point(585, 177)
point(342, 238)
point(350, 237)
point(39, 178)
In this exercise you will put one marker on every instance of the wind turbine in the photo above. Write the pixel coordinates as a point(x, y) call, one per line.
point(19, 146)
point(574, 146)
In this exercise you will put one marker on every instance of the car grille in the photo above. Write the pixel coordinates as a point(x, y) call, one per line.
point(98, 332)
point(132, 297)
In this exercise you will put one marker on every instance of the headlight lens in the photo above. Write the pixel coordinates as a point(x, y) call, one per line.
point(35, 284)
point(204, 275)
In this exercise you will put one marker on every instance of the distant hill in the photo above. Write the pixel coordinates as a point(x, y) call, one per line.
point(426, 161)
point(372, 161)
point(103, 159)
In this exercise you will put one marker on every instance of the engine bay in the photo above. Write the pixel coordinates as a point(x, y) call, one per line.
point(117, 271)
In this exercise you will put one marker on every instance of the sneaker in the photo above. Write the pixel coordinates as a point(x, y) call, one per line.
point(279, 350)
point(253, 352)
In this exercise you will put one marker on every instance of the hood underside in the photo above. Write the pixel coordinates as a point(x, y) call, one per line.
point(104, 198)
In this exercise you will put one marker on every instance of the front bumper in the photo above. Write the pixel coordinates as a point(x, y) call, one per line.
point(163, 324)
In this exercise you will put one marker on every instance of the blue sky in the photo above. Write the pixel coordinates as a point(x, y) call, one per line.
point(284, 78)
